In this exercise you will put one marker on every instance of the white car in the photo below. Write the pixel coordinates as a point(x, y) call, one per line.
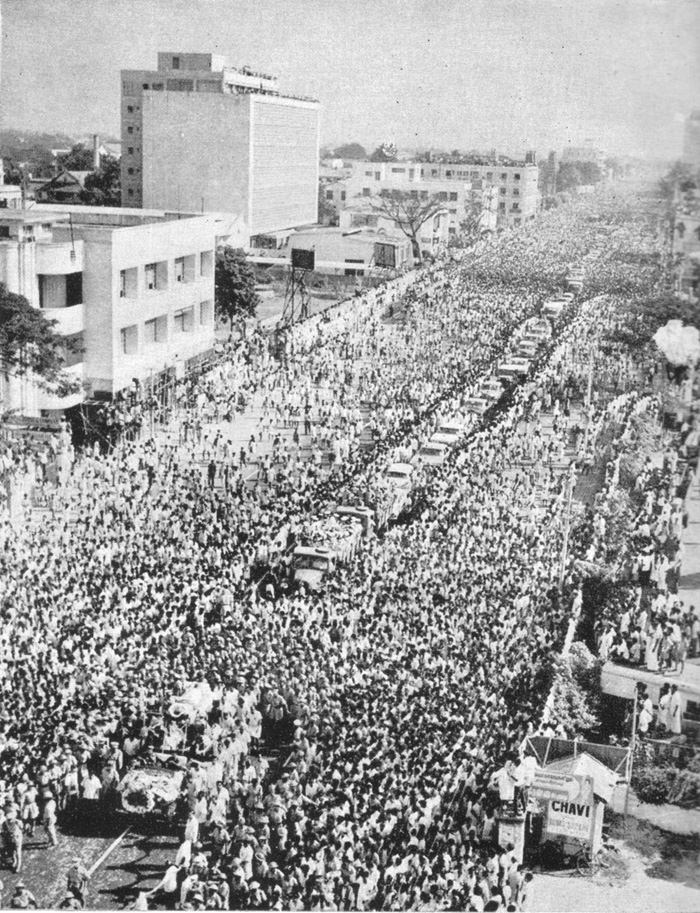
point(527, 348)
point(491, 389)
point(553, 308)
point(434, 453)
point(477, 405)
point(400, 475)
point(451, 431)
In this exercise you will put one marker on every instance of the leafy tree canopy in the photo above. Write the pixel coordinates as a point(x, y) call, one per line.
point(387, 152)
point(572, 174)
point(350, 151)
point(28, 343)
point(103, 187)
point(235, 285)
point(80, 158)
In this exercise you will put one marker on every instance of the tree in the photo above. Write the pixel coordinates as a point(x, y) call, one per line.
point(350, 151)
point(80, 158)
point(409, 211)
point(103, 187)
point(474, 223)
point(29, 345)
point(13, 174)
point(568, 177)
point(387, 152)
point(326, 210)
point(234, 282)
point(590, 172)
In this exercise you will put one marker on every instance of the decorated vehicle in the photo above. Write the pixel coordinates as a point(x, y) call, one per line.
point(151, 790)
point(196, 700)
point(331, 540)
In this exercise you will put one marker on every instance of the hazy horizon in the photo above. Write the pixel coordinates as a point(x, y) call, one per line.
point(507, 74)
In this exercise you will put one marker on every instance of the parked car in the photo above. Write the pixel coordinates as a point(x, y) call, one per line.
point(477, 405)
point(491, 389)
point(432, 453)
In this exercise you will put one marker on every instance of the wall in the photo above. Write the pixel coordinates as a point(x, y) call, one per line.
point(158, 243)
point(284, 165)
point(196, 152)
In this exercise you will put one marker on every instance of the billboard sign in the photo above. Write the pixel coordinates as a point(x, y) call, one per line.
point(572, 817)
point(385, 255)
point(548, 785)
point(303, 259)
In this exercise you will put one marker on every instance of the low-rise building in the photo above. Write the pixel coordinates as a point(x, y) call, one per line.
point(133, 291)
point(65, 188)
point(353, 252)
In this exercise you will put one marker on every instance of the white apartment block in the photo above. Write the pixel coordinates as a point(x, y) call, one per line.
point(134, 290)
point(370, 178)
point(199, 136)
point(513, 187)
point(510, 190)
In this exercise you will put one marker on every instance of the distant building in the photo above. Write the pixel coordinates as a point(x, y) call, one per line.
point(10, 194)
point(133, 290)
point(507, 194)
point(691, 139)
point(199, 135)
point(582, 154)
point(369, 179)
point(508, 190)
point(65, 188)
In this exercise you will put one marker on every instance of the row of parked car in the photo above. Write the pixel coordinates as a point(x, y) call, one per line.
point(330, 544)
point(526, 344)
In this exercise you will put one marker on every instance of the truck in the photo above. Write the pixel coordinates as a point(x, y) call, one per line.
point(330, 541)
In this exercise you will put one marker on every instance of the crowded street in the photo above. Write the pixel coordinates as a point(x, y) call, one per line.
point(332, 745)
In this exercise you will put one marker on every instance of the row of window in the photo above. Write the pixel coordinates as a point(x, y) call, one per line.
point(156, 330)
point(417, 194)
point(172, 85)
point(474, 174)
point(156, 275)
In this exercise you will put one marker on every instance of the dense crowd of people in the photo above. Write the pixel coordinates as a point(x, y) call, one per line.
point(345, 757)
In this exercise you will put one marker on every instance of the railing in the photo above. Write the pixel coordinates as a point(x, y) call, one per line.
point(69, 320)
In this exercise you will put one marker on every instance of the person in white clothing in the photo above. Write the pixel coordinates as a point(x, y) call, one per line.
point(674, 711)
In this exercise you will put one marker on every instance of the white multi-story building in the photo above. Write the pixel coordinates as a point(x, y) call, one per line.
point(199, 135)
point(508, 192)
point(511, 190)
point(133, 290)
point(369, 179)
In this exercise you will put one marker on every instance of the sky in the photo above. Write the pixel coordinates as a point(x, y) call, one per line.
point(452, 74)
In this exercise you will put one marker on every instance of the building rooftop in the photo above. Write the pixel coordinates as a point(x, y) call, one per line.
point(33, 216)
point(113, 216)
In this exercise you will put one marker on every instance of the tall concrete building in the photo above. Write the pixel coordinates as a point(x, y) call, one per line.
point(691, 138)
point(199, 135)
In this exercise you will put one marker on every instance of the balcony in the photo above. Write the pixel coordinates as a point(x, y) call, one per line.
point(48, 400)
point(58, 258)
point(69, 319)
